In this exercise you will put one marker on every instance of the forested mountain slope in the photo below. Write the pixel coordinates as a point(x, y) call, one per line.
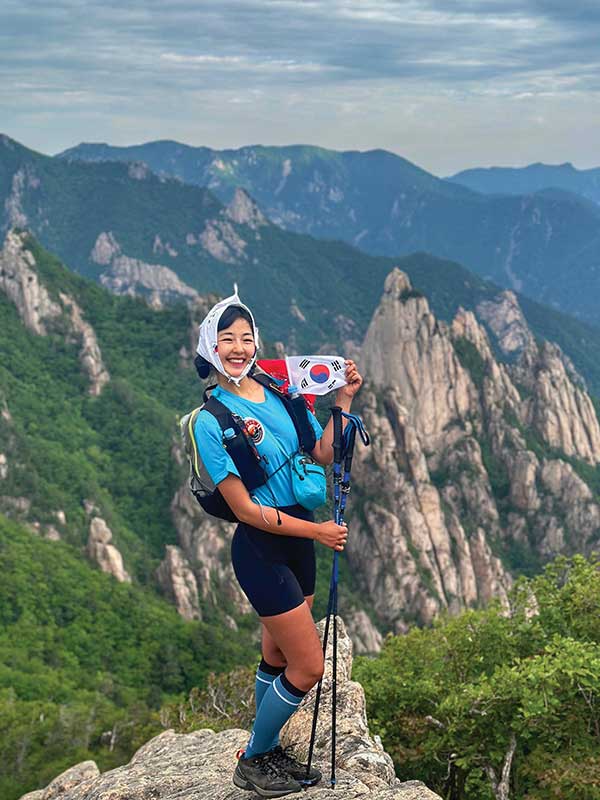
point(542, 243)
point(137, 233)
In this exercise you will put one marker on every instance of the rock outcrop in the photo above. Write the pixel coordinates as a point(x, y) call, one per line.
point(220, 239)
point(90, 356)
point(357, 752)
point(200, 764)
point(363, 633)
point(176, 578)
point(558, 408)
point(243, 210)
point(69, 779)
point(20, 281)
point(130, 276)
point(406, 346)
point(504, 316)
point(105, 554)
point(205, 542)
point(465, 469)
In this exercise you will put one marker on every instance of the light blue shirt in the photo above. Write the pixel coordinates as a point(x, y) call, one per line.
point(274, 436)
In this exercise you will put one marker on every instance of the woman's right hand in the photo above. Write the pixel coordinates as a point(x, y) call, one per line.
point(332, 535)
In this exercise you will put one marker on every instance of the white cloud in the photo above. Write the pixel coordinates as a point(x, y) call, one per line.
point(343, 73)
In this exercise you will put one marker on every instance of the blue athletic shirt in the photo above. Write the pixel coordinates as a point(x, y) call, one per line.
point(273, 433)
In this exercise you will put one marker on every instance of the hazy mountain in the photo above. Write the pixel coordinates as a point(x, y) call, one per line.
point(530, 179)
point(138, 233)
point(544, 244)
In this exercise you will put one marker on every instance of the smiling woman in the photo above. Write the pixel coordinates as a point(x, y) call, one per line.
point(273, 546)
point(235, 340)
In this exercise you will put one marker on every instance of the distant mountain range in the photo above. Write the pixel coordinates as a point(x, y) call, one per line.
point(139, 233)
point(545, 244)
point(534, 178)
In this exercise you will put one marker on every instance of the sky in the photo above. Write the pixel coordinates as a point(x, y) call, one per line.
point(448, 84)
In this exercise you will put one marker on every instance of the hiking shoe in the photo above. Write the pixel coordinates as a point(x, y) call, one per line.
point(262, 775)
point(284, 759)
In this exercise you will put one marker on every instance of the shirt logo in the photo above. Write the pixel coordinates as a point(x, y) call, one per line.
point(255, 429)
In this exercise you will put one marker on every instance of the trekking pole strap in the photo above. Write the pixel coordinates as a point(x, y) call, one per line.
point(357, 422)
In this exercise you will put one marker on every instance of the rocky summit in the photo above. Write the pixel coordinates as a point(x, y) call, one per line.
point(199, 765)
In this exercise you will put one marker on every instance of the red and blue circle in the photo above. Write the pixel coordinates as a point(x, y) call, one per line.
point(319, 373)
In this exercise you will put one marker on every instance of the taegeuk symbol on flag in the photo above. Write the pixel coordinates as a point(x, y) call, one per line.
point(316, 374)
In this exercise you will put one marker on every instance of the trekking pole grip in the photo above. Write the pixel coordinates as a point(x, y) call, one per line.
point(336, 414)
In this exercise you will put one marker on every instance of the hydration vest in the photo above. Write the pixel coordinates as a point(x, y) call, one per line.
point(239, 445)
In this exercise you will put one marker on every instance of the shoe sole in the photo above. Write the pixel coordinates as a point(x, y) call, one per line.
point(242, 783)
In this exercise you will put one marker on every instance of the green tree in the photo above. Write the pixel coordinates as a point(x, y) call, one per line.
point(502, 703)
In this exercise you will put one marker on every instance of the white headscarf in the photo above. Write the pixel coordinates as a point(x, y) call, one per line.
point(207, 341)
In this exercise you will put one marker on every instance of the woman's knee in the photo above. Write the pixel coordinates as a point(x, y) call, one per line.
point(273, 655)
point(315, 671)
point(271, 652)
point(306, 672)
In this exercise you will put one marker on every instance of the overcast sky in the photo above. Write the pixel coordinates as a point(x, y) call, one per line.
point(448, 84)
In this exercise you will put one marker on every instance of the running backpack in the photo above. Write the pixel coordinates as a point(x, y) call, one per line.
point(239, 445)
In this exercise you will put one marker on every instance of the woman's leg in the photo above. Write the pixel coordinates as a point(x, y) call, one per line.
point(295, 634)
point(271, 653)
point(273, 664)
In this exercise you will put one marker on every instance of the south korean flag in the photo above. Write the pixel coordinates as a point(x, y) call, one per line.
point(316, 374)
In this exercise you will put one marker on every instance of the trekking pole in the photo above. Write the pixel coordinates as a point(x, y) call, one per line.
point(339, 518)
point(336, 413)
point(349, 438)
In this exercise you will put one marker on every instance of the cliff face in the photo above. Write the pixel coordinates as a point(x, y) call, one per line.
point(131, 276)
point(466, 476)
point(20, 282)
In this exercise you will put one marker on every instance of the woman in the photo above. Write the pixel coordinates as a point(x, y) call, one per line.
point(273, 545)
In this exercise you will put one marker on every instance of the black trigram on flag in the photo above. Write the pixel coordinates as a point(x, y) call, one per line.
point(336, 366)
point(304, 383)
point(331, 385)
point(304, 363)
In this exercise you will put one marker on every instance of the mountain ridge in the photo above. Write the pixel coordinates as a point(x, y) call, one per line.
point(531, 178)
point(387, 206)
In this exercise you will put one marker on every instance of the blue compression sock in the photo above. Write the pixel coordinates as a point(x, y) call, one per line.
point(265, 675)
point(279, 702)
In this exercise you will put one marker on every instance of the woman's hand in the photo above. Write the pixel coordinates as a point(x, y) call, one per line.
point(332, 535)
point(353, 383)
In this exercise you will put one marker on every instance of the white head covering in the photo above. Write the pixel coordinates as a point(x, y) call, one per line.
point(207, 341)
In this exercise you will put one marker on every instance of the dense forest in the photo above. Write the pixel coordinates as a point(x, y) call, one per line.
point(85, 662)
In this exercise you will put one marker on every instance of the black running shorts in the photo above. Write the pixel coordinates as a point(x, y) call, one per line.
point(275, 572)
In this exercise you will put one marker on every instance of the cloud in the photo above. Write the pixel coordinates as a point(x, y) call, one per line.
point(367, 59)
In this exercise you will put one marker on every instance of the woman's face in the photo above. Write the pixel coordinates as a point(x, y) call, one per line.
point(235, 346)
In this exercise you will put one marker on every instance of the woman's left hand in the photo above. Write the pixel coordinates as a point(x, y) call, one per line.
point(353, 382)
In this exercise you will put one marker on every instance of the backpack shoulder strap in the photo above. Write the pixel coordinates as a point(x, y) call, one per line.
point(220, 412)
